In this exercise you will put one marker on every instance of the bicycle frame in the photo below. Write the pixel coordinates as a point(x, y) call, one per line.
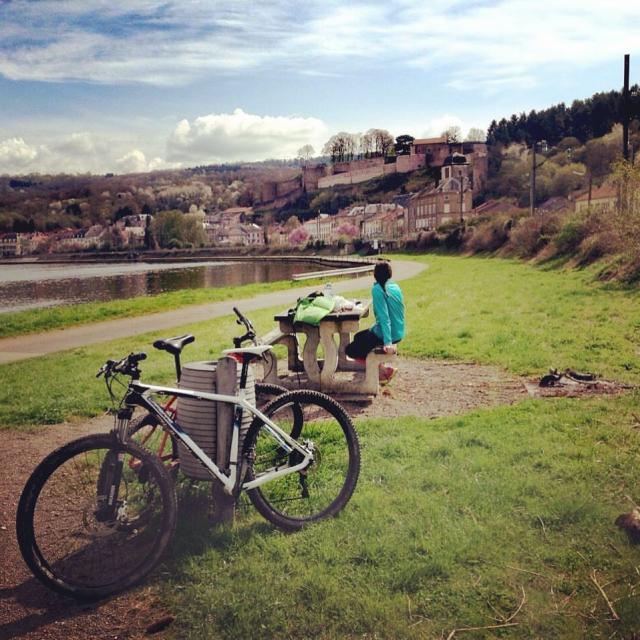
point(139, 394)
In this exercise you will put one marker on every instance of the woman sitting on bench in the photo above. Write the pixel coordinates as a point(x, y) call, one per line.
point(388, 308)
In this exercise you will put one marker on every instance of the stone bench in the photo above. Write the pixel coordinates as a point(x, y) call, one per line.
point(367, 380)
point(270, 362)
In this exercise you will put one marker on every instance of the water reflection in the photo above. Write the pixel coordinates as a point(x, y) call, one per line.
point(38, 286)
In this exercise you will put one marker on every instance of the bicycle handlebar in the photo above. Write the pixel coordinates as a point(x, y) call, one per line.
point(128, 366)
point(251, 332)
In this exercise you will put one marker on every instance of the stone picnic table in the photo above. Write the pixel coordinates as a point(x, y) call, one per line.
point(333, 334)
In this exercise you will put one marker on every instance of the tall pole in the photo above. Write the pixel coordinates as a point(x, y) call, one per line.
point(461, 196)
point(625, 109)
point(532, 187)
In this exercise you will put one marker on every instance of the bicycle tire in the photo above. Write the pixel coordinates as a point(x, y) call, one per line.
point(149, 440)
point(97, 556)
point(330, 480)
point(266, 392)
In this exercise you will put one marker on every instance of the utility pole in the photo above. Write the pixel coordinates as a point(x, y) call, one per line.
point(461, 196)
point(625, 109)
point(532, 186)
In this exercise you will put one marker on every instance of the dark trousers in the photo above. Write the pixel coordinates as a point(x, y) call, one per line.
point(363, 342)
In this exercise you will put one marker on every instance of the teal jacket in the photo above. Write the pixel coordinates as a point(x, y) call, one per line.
point(388, 308)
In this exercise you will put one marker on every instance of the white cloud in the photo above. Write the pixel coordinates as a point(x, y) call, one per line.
point(135, 161)
point(78, 152)
point(242, 136)
point(16, 153)
point(497, 44)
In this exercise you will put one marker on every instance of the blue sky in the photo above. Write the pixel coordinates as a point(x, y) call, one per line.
point(87, 85)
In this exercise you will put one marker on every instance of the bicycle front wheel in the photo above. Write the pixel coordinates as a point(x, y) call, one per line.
point(323, 488)
point(74, 539)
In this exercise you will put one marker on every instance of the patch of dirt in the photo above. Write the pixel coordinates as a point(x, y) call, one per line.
point(432, 388)
point(29, 610)
point(568, 388)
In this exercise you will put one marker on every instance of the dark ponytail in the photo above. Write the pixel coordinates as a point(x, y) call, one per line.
point(382, 273)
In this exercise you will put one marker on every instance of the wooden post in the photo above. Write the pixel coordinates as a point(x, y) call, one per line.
point(224, 505)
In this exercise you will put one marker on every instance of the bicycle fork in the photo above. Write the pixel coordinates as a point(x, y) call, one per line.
point(108, 510)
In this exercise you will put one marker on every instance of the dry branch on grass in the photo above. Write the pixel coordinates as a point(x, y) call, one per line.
point(506, 622)
point(594, 579)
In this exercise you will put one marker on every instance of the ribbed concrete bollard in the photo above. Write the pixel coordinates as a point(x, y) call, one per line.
point(224, 505)
point(210, 424)
point(197, 417)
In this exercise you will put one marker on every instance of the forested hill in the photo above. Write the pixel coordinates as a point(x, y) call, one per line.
point(584, 120)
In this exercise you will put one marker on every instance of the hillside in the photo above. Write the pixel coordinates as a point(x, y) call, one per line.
point(49, 202)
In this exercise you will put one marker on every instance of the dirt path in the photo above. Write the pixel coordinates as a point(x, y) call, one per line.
point(32, 345)
point(28, 610)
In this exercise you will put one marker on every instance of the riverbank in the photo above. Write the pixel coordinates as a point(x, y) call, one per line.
point(46, 318)
point(163, 312)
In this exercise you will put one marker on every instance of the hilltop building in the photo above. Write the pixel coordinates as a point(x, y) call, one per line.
point(450, 201)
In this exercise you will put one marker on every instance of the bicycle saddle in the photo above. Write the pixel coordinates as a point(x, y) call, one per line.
point(174, 345)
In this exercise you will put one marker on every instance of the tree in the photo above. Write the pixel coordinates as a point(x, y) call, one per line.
point(453, 134)
point(299, 237)
point(382, 141)
point(341, 147)
point(305, 152)
point(292, 223)
point(167, 228)
point(476, 135)
point(403, 144)
point(346, 231)
point(366, 144)
point(598, 156)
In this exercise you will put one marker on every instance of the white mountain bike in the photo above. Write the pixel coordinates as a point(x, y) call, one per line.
point(97, 514)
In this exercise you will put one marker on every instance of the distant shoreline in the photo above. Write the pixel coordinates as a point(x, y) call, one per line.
point(181, 255)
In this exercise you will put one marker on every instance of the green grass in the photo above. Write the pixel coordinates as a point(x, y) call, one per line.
point(522, 318)
point(452, 519)
point(493, 311)
point(34, 320)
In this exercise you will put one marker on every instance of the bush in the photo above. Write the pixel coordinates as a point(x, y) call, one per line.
point(489, 235)
point(428, 240)
point(454, 239)
point(532, 234)
point(571, 235)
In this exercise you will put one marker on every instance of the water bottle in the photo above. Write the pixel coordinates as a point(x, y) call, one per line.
point(328, 291)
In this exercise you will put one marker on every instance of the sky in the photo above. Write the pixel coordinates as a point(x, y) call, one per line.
point(100, 86)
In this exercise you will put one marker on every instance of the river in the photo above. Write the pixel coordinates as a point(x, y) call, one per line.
point(32, 286)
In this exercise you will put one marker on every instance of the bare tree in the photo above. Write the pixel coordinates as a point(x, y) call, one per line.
point(476, 135)
point(381, 141)
point(453, 134)
point(342, 146)
point(305, 152)
point(366, 144)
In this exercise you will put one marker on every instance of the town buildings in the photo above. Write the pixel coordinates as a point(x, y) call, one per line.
point(450, 201)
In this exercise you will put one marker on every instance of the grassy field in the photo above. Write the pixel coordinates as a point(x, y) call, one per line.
point(456, 522)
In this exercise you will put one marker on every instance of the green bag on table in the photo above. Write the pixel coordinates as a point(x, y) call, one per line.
point(312, 309)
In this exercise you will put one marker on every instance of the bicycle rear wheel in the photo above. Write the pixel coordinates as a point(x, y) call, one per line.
point(68, 535)
point(321, 490)
point(149, 433)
